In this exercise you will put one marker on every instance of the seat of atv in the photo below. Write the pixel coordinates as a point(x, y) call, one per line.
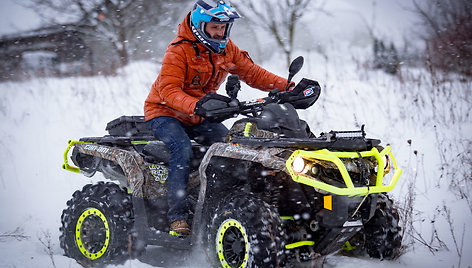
point(158, 152)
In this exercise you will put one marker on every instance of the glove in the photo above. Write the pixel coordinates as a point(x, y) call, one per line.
point(233, 86)
point(216, 108)
point(303, 95)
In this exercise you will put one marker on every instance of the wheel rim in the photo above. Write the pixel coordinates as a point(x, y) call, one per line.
point(232, 244)
point(92, 233)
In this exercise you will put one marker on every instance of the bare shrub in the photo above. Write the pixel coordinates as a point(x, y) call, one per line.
point(17, 234)
point(434, 243)
point(448, 25)
point(45, 239)
point(407, 213)
point(459, 247)
point(456, 166)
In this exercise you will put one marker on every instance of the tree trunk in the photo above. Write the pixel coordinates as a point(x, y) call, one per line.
point(123, 54)
point(123, 51)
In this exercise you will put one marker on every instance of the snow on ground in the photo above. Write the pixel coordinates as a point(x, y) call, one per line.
point(39, 116)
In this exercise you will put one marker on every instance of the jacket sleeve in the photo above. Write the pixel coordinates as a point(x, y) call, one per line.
point(253, 74)
point(171, 83)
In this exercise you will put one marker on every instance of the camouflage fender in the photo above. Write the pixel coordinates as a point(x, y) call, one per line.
point(140, 180)
point(265, 156)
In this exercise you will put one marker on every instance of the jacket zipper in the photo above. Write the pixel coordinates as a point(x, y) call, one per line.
point(212, 64)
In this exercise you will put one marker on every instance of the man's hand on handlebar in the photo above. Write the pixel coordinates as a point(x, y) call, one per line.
point(216, 108)
point(303, 95)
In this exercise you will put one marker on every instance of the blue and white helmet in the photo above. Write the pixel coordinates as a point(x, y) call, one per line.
point(216, 11)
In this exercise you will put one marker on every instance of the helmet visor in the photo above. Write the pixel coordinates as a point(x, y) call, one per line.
point(216, 30)
point(212, 32)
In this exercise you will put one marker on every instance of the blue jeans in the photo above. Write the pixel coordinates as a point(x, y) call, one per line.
point(177, 138)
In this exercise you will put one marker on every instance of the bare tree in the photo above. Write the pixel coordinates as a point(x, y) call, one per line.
point(448, 25)
point(122, 23)
point(278, 18)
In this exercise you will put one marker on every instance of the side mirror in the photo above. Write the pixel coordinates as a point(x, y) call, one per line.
point(294, 68)
point(296, 65)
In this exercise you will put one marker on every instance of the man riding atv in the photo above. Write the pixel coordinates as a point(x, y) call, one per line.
point(266, 193)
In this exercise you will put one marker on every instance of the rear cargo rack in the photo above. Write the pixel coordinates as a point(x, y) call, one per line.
point(128, 126)
point(66, 165)
point(107, 141)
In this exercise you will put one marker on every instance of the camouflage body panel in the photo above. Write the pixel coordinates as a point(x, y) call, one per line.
point(265, 156)
point(138, 172)
point(250, 129)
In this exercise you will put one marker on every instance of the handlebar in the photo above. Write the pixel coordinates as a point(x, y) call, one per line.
point(235, 107)
point(216, 107)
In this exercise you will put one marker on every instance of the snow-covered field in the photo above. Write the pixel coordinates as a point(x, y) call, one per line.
point(429, 131)
point(424, 116)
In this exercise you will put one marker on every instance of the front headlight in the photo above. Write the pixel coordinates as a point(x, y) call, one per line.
point(386, 164)
point(385, 159)
point(299, 165)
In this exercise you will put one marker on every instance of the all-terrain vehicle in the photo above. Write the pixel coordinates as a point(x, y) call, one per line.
point(272, 195)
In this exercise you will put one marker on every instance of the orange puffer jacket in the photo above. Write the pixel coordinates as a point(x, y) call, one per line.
point(189, 71)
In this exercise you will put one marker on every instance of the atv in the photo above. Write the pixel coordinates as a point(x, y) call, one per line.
point(272, 195)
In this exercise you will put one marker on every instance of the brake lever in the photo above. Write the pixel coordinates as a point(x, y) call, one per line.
point(274, 94)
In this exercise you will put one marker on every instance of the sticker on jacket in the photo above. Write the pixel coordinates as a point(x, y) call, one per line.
point(196, 80)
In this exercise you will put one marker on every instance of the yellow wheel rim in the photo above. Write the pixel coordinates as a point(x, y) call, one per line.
point(232, 244)
point(92, 214)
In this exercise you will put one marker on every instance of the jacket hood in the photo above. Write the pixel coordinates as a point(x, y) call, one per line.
point(184, 32)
